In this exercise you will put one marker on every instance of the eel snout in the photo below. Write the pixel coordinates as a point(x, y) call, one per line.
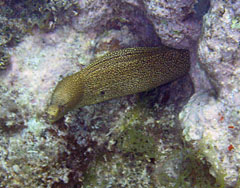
point(118, 73)
point(66, 96)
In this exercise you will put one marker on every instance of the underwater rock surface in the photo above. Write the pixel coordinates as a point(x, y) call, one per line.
point(174, 21)
point(211, 118)
point(133, 141)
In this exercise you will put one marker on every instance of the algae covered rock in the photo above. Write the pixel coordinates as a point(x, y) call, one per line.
point(4, 59)
point(211, 118)
point(28, 144)
point(174, 21)
point(133, 141)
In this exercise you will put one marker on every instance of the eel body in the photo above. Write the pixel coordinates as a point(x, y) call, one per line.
point(118, 73)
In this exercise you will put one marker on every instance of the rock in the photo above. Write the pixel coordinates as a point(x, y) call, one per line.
point(173, 21)
point(211, 119)
point(139, 137)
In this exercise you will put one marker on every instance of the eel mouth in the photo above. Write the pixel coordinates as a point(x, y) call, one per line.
point(54, 113)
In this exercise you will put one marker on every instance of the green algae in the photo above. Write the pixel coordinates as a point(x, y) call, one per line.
point(117, 172)
point(196, 170)
point(137, 142)
point(18, 18)
point(128, 164)
point(120, 171)
point(193, 171)
point(4, 60)
point(136, 160)
point(134, 138)
point(236, 23)
point(210, 154)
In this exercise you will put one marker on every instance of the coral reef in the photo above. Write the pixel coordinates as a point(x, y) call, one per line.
point(25, 92)
point(211, 118)
point(30, 156)
point(18, 18)
point(133, 141)
point(147, 153)
point(173, 21)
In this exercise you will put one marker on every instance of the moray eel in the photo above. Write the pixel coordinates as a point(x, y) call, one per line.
point(118, 73)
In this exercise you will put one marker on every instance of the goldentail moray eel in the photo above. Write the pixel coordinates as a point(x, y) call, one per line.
point(118, 73)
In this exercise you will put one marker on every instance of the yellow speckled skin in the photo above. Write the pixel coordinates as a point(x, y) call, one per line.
point(116, 74)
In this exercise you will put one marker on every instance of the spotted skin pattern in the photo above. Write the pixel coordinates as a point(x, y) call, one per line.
point(118, 73)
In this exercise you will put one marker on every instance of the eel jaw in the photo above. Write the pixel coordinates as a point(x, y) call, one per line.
point(54, 113)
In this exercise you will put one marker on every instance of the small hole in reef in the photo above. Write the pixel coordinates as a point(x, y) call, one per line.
point(102, 92)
